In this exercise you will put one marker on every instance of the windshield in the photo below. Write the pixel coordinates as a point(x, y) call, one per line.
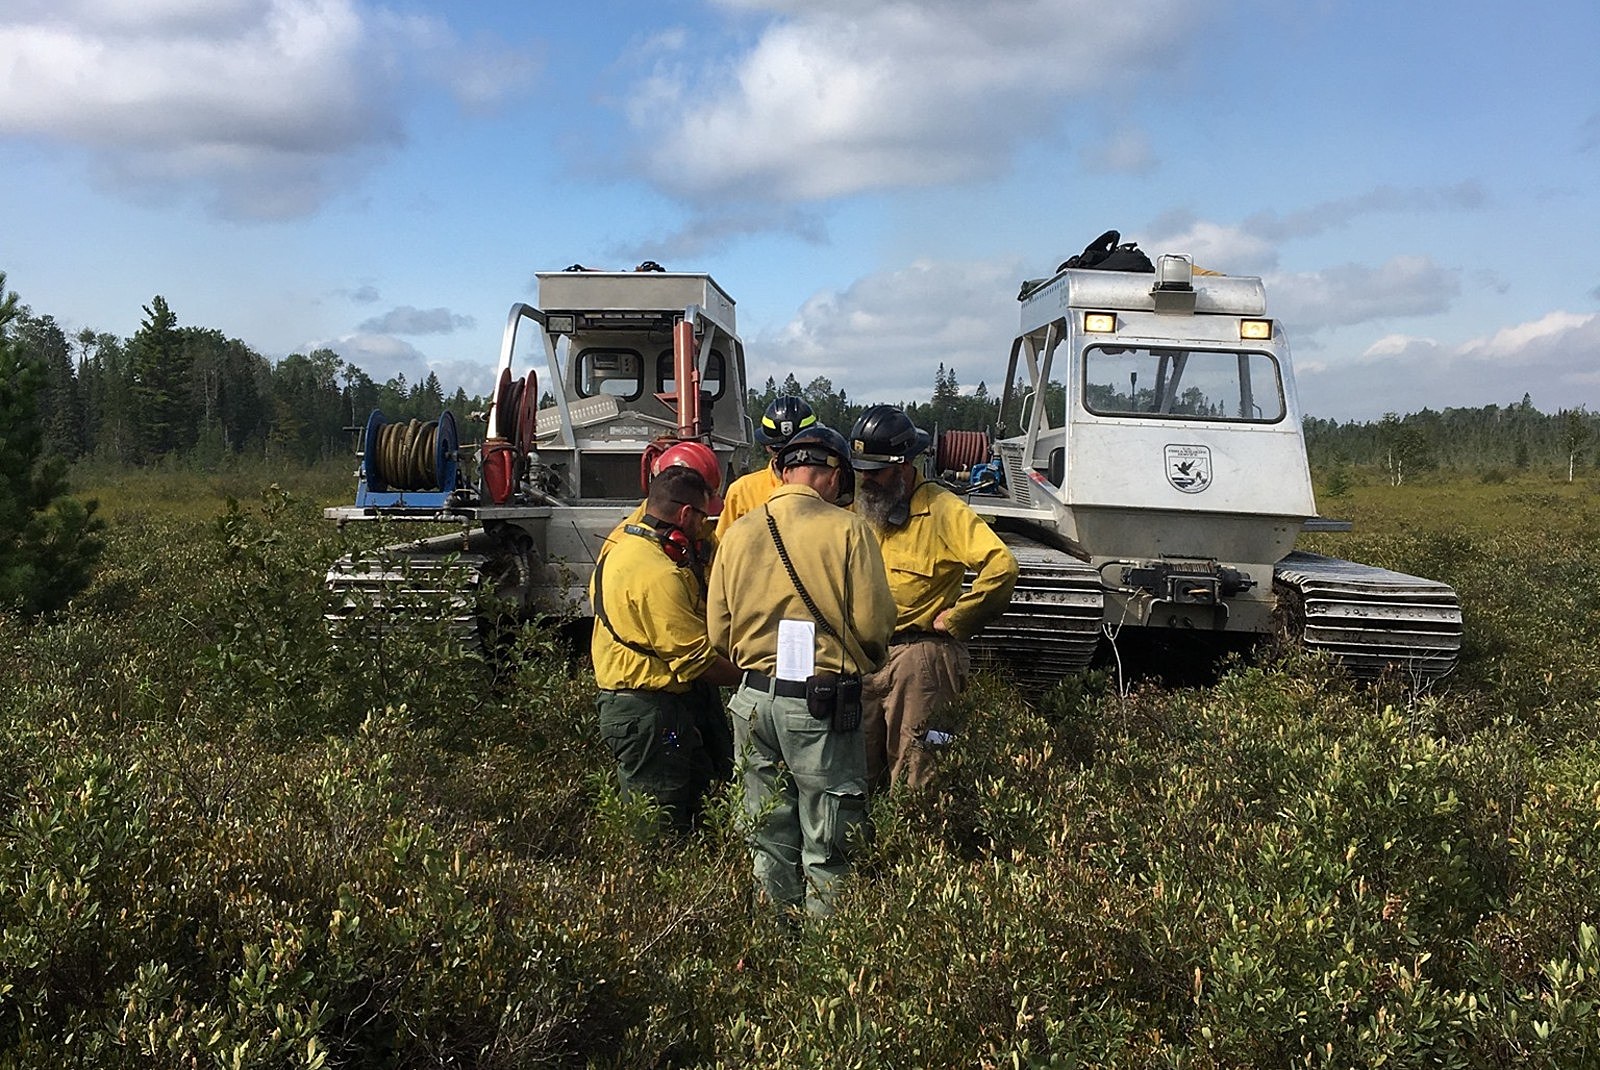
point(1185, 384)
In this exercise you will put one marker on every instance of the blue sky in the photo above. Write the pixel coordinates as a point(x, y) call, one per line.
point(1416, 182)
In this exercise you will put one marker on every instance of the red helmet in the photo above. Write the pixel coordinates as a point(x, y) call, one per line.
point(700, 458)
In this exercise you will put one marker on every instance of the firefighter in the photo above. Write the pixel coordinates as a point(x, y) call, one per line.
point(929, 538)
point(703, 460)
point(660, 711)
point(783, 418)
point(800, 600)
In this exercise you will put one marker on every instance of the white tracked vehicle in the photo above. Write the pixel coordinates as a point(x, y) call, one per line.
point(1160, 480)
point(634, 363)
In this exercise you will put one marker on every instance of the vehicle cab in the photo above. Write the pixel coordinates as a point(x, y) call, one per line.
point(1156, 434)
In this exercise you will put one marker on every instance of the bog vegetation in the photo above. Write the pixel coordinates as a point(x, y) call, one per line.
point(230, 838)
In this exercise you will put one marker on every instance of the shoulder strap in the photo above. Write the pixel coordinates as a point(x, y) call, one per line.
point(805, 596)
point(600, 615)
point(794, 578)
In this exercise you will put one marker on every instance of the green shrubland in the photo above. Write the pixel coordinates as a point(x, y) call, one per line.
point(231, 838)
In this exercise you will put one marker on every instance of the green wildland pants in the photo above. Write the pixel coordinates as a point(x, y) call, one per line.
point(806, 785)
point(671, 747)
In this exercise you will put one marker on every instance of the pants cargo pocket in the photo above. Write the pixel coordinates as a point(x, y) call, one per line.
point(847, 826)
point(630, 742)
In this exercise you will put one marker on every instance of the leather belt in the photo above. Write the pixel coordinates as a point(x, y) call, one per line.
point(901, 638)
point(782, 688)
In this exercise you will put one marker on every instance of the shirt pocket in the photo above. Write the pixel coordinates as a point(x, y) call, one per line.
point(912, 550)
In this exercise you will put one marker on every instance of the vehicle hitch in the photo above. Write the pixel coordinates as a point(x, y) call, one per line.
point(1190, 583)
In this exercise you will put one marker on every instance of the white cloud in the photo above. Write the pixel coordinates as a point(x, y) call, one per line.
point(1232, 249)
point(408, 320)
point(473, 376)
point(1251, 246)
point(1399, 347)
point(884, 336)
point(837, 98)
point(383, 356)
point(1553, 358)
point(171, 16)
point(1355, 293)
point(1556, 336)
point(268, 106)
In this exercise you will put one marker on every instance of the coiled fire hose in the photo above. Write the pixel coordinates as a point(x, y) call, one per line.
point(404, 455)
point(959, 450)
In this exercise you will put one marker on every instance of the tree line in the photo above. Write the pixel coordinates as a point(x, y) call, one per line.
point(948, 409)
point(1491, 441)
point(187, 391)
point(183, 391)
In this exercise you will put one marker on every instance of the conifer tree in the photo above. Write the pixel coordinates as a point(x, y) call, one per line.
point(42, 341)
point(159, 377)
point(49, 540)
point(106, 386)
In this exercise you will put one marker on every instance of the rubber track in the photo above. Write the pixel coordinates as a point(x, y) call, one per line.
point(1052, 627)
point(1370, 618)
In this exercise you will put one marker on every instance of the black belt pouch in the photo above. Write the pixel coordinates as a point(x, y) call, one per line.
point(835, 699)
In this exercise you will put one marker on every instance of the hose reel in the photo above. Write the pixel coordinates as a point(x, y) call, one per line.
point(413, 455)
point(514, 423)
point(960, 451)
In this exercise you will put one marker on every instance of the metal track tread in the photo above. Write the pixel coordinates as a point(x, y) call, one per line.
point(1371, 618)
point(1052, 626)
point(400, 583)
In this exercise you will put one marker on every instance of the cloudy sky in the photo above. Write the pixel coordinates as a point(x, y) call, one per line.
point(1418, 183)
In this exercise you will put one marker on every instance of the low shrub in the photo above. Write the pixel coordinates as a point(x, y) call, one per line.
point(231, 837)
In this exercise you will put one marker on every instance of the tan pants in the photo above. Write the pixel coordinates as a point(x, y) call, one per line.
point(921, 675)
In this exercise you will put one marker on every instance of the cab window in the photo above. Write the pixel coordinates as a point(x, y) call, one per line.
point(1182, 384)
point(713, 381)
point(617, 373)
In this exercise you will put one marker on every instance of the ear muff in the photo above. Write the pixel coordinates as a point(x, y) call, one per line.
point(678, 547)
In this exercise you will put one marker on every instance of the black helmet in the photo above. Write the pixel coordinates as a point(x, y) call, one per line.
point(820, 444)
point(886, 436)
point(783, 418)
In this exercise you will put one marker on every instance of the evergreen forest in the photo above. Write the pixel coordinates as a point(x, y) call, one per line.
point(186, 393)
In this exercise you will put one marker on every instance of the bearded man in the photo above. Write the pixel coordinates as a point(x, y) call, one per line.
point(930, 539)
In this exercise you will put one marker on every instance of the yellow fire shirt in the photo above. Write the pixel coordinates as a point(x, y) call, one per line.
point(928, 557)
point(747, 493)
point(837, 559)
point(654, 604)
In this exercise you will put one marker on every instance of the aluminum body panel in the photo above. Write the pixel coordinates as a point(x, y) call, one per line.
point(629, 291)
point(1234, 295)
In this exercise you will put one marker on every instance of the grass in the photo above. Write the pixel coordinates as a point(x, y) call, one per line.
point(230, 840)
point(176, 493)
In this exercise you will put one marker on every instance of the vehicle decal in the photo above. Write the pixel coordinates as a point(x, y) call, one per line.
point(1189, 467)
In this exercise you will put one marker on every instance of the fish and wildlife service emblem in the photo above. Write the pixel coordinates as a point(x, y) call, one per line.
point(1189, 468)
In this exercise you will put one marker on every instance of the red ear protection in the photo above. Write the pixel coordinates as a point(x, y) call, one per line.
point(678, 547)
